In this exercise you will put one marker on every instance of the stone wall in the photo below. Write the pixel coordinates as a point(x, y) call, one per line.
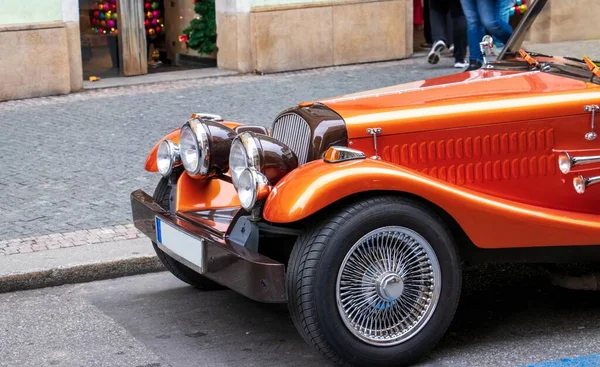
point(293, 35)
point(39, 59)
point(561, 20)
point(40, 50)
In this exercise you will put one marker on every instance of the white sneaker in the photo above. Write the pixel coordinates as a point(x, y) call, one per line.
point(461, 65)
point(434, 53)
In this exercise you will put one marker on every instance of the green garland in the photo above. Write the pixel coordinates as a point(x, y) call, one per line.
point(201, 34)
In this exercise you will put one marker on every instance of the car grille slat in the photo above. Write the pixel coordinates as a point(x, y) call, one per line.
point(293, 131)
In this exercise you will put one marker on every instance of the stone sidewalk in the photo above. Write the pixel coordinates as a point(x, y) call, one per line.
point(69, 239)
point(75, 257)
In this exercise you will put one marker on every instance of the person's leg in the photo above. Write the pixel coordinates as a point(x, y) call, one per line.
point(449, 29)
point(488, 12)
point(504, 14)
point(427, 22)
point(460, 33)
point(438, 10)
point(504, 9)
point(475, 30)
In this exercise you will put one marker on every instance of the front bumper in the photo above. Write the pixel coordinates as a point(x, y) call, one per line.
point(225, 262)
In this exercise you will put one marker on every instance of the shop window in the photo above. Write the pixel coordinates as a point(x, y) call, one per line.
point(98, 22)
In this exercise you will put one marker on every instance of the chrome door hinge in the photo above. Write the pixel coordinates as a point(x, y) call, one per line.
point(374, 131)
point(593, 109)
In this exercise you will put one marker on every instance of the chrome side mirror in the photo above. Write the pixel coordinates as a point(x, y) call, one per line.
point(487, 47)
point(581, 183)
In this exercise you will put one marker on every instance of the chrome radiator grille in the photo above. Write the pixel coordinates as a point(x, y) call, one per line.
point(293, 131)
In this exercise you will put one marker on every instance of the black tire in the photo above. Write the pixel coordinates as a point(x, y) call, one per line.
point(313, 270)
point(182, 272)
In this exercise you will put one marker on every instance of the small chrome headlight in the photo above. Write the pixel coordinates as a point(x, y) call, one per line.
point(244, 154)
point(205, 147)
point(167, 157)
point(337, 154)
point(252, 187)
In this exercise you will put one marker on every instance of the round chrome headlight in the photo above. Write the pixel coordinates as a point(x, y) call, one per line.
point(267, 155)
point(244, 154)
point(205, 147)
point(189, 150)
point(246, 188)
point(252, 187)
point(167, 156)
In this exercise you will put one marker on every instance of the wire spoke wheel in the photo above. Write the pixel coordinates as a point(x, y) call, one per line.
point(388, 286)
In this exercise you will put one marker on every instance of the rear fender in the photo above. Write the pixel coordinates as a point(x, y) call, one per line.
point(150, 165)
point(490, 222)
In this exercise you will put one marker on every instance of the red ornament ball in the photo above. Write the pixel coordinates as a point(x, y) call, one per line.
point(96, 14)
point(147, 6)
point(113, 7)
point(147, 23)
point(158, 29)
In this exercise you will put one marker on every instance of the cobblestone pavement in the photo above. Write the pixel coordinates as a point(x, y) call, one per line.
point(70, 239)
point(70, 162)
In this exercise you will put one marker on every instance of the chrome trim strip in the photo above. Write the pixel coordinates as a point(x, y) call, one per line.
point(207, 116)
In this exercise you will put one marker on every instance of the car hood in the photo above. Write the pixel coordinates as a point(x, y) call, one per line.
point(461, 100)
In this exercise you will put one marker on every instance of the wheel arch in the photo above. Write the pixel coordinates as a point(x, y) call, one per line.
point(462, 241)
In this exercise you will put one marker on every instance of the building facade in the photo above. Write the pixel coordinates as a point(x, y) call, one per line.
point(40, 50)
point(49, 47)
point(276, 35)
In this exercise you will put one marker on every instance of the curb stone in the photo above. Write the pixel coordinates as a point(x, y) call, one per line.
point(80, 273)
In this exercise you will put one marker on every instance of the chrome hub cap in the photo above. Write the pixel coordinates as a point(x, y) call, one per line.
point(388, 286)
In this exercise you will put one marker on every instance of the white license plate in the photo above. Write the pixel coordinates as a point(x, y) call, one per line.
point(181, 245)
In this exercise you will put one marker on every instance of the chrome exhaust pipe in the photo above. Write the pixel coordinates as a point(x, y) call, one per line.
point(566, 162)
point(582, 183)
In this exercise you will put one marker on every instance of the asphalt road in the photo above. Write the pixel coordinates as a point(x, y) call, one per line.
point(508, 316)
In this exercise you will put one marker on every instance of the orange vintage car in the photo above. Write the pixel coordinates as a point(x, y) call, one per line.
point(358, 211)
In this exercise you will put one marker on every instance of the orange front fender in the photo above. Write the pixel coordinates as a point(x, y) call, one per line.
point(150, 165)
point(490, 222)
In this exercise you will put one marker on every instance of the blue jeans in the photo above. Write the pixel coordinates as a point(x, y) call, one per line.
point(482, 15)
point(504, 13)
point(504, 9)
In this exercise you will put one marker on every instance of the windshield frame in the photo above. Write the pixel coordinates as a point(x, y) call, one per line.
point(516, 40)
